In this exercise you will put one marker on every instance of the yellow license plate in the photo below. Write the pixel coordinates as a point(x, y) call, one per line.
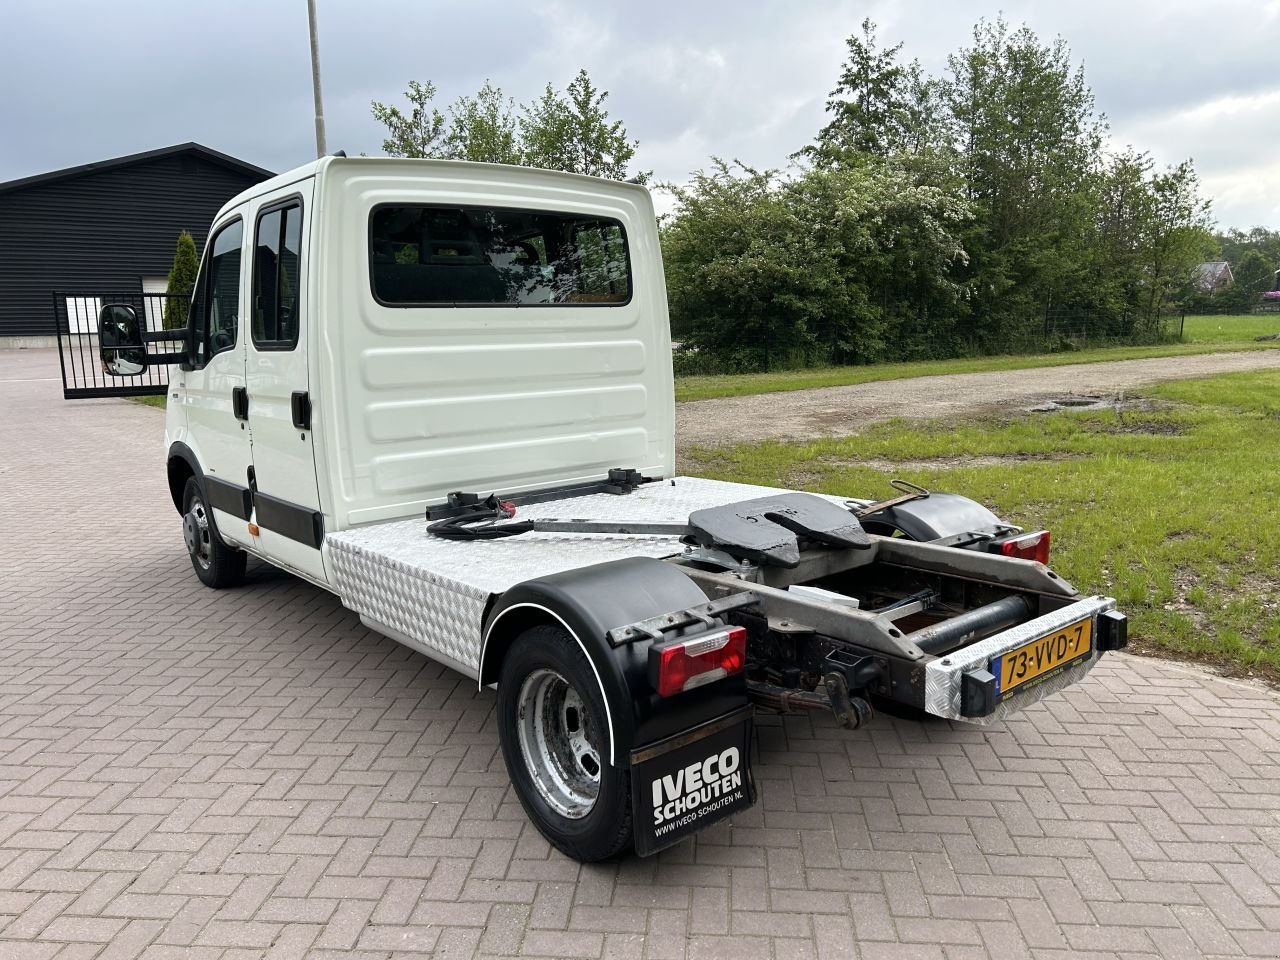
point(1042, 657)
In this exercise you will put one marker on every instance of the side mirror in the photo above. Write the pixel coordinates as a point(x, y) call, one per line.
point(120, 343)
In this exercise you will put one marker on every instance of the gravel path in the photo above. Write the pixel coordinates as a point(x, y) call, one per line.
point(836, 411)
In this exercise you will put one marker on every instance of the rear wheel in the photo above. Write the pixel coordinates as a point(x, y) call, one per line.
point(216, 564)
point(555, 741)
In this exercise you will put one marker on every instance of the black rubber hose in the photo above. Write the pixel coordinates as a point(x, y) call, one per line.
point(472, 527)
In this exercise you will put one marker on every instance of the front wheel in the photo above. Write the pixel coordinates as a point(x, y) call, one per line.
point(216, 564)
point(555, 742)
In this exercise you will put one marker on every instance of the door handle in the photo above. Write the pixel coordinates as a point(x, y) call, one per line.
point(300, 406)
point(240, 403)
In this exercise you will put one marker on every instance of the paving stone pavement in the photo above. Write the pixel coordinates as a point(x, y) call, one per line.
point(252, 774)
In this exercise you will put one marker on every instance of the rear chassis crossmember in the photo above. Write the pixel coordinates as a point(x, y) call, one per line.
point(807, 652)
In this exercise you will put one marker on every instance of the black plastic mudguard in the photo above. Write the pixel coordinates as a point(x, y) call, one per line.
point(591, 601)
point(689, 781)
point(936, 516)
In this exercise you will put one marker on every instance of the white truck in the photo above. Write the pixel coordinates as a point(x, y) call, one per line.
point(443, 391)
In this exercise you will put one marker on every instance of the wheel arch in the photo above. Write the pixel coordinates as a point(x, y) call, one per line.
point(182, 464)
point(514, 620)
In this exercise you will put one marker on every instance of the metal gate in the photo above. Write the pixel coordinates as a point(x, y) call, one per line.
point(76, 323)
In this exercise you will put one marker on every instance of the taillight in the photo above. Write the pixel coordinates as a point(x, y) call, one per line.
point(682, 665)
point(1029, 546)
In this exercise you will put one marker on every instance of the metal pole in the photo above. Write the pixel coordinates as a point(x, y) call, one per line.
point(321, 149)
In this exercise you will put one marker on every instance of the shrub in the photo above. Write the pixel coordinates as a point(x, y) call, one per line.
point(182, 280)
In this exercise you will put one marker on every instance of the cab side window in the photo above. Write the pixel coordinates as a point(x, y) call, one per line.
point(276, 278)
point(216, 311)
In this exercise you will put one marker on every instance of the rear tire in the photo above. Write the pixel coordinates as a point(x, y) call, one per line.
point(216, 564)
point(555, 741)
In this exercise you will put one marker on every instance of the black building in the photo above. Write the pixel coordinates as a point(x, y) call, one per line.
point(108, 228)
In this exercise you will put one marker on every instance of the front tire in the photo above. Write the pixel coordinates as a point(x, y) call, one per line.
point(555, 740)
point(216, 564)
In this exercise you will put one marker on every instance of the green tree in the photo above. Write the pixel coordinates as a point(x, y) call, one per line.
point(1254, 273)
point(182, 280)
point(1122, 202)
point(942, 214)
point(1029, 142)
point(741, 282)
point(1251, 275)
point(1237, 243)
point(1151, 234)
point(418, 133)
point(572, 131)
point(834, 265)
point(483, 128)
point(1178, 238)
point(869, 106)
point(569, 131)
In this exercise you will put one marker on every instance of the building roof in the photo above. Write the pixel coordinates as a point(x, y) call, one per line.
point(197, 149)
point(1213, 274)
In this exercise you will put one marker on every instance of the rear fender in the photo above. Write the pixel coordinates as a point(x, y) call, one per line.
point(588, 603)
point(935, 517)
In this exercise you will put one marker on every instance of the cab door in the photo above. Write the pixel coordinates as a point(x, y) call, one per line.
point(286, 494)
point(212, 385)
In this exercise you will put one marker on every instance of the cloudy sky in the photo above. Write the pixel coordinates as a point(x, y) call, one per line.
point(81, 80)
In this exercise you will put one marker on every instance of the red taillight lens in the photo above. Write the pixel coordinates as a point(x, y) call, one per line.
point(1029, 546)
point(685, 664)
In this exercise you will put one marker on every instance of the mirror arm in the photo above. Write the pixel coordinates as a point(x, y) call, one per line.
point(165, 359)
point(163, 336)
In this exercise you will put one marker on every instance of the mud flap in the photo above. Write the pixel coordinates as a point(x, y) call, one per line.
point(689, 781)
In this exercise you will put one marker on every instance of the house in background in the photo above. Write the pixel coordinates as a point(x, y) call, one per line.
point(104, 228)
point(1213, 276)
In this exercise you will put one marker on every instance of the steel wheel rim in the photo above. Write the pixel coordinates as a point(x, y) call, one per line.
point(558, 743)
point(198, 535)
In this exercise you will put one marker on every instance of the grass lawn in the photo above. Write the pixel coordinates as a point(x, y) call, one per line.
point(158, 401)
point(1170, 509)
point(1201, 335)
point(1230, 329)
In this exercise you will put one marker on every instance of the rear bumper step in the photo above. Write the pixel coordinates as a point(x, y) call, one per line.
point(960, 685)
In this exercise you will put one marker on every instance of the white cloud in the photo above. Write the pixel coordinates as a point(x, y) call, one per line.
point(1235, 142)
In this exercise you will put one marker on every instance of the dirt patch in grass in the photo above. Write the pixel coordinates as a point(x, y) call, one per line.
point(1155, 428)
point(949, 463)
point(1261, 591)
point(1184, 582)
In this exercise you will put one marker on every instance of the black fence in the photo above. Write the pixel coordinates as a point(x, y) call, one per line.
point(76, 323)
point(1233, 308)
point(1081, 328)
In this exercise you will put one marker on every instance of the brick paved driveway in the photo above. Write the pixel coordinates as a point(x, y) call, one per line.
point(251, 773)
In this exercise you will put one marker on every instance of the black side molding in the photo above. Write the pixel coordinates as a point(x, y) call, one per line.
point(228, 497)
point(300, 524)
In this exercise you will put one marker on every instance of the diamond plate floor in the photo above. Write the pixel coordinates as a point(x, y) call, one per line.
point(252, 774)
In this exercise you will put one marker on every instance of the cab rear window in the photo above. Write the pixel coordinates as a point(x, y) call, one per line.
point(470, 255)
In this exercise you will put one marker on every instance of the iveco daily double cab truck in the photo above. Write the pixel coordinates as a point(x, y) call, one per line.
point(443, 391)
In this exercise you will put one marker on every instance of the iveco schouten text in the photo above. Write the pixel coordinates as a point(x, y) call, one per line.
point(443, 391)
